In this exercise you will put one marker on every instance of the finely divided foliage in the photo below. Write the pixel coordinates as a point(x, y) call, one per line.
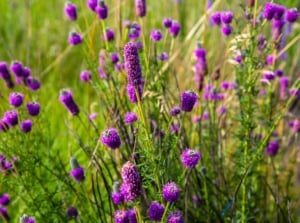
point(149, 111)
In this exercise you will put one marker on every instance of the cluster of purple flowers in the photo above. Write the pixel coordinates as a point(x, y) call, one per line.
point(125, 216)
point(173, 26)
point(223, 19)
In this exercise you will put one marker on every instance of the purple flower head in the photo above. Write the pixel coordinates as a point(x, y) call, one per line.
point(26, 219)
point(75, 38)
point(16, 99)
point(3, 213)
point(140, 8)
point(130, 117)
point(167, 22)
point(26, 72)
point(277, 27)
point(11, 118)
point(111, 138)
point(215, 18)
point(261, 39)
point(32, 83)
point(109, 35)
point(131, 92)
point(86, 76)
point(66, 98)
point(279, 72)
point(134, 32)
point(269, 11)
point(190, 158)
point(117, 198)
point(292, 15)
point(283, 87)
point(92, 4)
point(119, 66)
point(155, 211)
point(121, 216)
point(5, 75)
point(101, 10)
point(278, 11)
point(131, 187)
point(17, 68)
point(77, 172)
point(171, 192)
point(226, 17)
point(269, 75)
point(72, 212)
point(71, 11)
point(175, 111)
point(222, 110)
point(226, 30)
point(33, 108)
point(132, 64)
point(130, 191)
point(295, 125)
point(156, 35)
point(4, 199)
point(114, 58)
point(132, 218)
point(188, 100)
point(175, 217)
point(26, 126)
point(174, 128)
point(163, 56)
point(200, 53)
point(272, 148)
point(270, 60)
point(174, 29)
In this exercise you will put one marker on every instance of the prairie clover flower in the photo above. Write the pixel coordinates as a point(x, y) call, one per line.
point(33, 108)
point(171, 192)
point(155, 211)
point(71, 11)
point(92, 4)
point(163, 56)
point(109, 35)
point(114, 58)
point(175, 111)
point(215, 18)
point(222, 110)
point(132, 64)
point(32, 83)
point(295, 125)
point(188, 100)
point(86, 76)
point(66, 98)
point(17, 68)
point(11, 118)
point(175, 217)
point(26, 126)
point(130, 117)
point(277, 27)
point(72, 212)
point(125, 216)
point(3, 213)
point(132, 185)
point(140, 8)
point(117, 197)
point(4, 199)
point(156, 35)
point(111, 138)
point(174, 29)
point(226, 17)
point(292, 15)
point(174, 128)
point(16, 99)
point(190, 158)
point(75, 38)
point(226, 30)
point(272, 148)
point(101, 10)
point(77, 172)
point(167, 22)
point(5, 75)
point(283, 87)
point(26, 219)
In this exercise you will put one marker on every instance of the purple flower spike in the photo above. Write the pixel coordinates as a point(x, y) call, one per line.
point(190, 158)
point(292, 15)
point(278, 11)
point(4, 199)
point(131, 92)
point(33, 108)
point(17, 68)
point(72, 212)
point(269, 11)
point(130, 117)
point(26, 126)
point(174, 29)
point(155, 211)
point(92, 4)
point(171, 192)
point(167, 22)
point(109, 35)
point(156, 35)
point(26, 72)
point(85, 76)
point(77, 172)
point(188, 100)
point(66, 98)
point(75, 38)
point(111, 138)
point(226, 30)
point(272, 148)
point(102, 10)
point(277, 27)
point(121, 216)
point(215, 18)
point(175, 111)
point(163, 56)
point(3, 213)
point(71, 11)
point(5, 75)
point(114, 58)
point(32, 83)
point(283, 87)
point(140, 8)
point(132, 185)
point(132, 64)
point(175, 217)
point(117, 198)
point(226, 17)
point(11, 118)
point(16, 99)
